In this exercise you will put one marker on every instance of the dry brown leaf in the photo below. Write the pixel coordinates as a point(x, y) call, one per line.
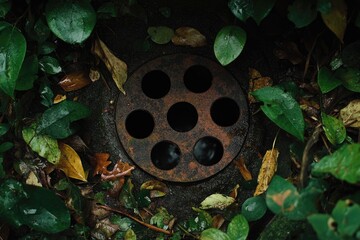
point(116, 67)
point(217, 221)
point(74, 81)
point(234, 192)
point(59, 98)
point(101, 163)
point(267, 170)
point(188, 36)
point(256, 82)
point(335, 18)
point(289, 51)
point(240, 164)
point(157, 188)
point(70, 163)
point(350, 114)
point(120, 169)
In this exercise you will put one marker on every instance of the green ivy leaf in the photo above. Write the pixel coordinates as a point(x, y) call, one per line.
point(56, 120)
point(302, 12)
point(44, 145)
point(254, 208)
point(343, 164)
point(350, 78)
point(126, 197)
point(202, 221)
point(281, 108)
point(238, 228)
point(334, 129)
point(162, 218)
point(49, 65)
point(229, 43)
point(4, 128)
point(322, 224)
point(242, 9)
point(46, 94)
point(346, 214)
point(160, 34)
point(71, 21)
point(41, 31)
point(6, 146)
point(46, 48)
point(123, 223)
point(28, 73)
point(327, 80)
point(214, 234)
point(262, 8)
point(12, 54)
point(4, 8)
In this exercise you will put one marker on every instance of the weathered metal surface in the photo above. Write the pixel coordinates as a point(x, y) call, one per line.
point(139, 136)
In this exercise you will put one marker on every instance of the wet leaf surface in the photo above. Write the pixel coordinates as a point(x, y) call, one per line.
point(334, 129)
point(254, 208)
point(115, 66)
point(238, 228)
point(74, 81)
point(327, 80)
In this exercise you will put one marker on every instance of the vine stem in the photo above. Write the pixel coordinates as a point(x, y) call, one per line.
point(152, 227)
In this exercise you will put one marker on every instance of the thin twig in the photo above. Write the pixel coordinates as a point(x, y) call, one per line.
point(325, 143)
point(187, 233)
point(305, 158)
point(152, 227)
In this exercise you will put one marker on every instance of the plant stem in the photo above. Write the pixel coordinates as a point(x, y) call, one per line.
point(152, 227)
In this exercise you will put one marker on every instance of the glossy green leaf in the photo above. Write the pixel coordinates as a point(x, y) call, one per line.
point(4, 8)
point(334, 129)
point(229, 43)
point(46, 48)
point(56, 121)
point(343, 164)
point(327, 80)
point(351, 55)
point(242, 9)
point(126, 197)
point(162, 218)
point(4, 128)
point(202, 221)
point(12, 54)
point(49, 65)
point(302, 12)
point(238, 228)
point(262, 8)
point(71, 21)
point(346, 214)
point(214, 234)
point(28, 73)
point(41, 31)
point(46, 94)
point(123, 223)
point(160, 34)
point(44, 145)
point(43, 210)
point(254, 208)
point(322, 224)
point(6, 146)
point(281, 108)
point(350, 78)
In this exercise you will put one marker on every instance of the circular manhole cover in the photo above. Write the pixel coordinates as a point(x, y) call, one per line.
point(184, 118)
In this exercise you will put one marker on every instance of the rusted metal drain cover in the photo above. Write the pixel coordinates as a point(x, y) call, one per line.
point(184, 117)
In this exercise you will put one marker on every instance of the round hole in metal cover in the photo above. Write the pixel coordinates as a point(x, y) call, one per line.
point(165, 155)
point(197, 79)
point(225, 112)
point(155, 84)
point(208, 151)
point(139, 124)
point(182, 116)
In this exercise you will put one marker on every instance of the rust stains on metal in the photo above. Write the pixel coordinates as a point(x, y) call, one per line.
point(184, 118)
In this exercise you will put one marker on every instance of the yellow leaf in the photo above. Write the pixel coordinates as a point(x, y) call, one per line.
point(351, 114)
point(187, 36)
point(335, 18)
point(117, 67)
point(70, 163)
point(256, 82)
point(156, 188)
point(59, 98)
point(217, 200)
point(267, 171)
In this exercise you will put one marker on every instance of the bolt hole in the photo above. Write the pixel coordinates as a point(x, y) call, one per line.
point(139, 124)
point(208, 151)
point(165, 155)
point(197, 79)
point(182, 116)
point(155, 84)
point(225, 112)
